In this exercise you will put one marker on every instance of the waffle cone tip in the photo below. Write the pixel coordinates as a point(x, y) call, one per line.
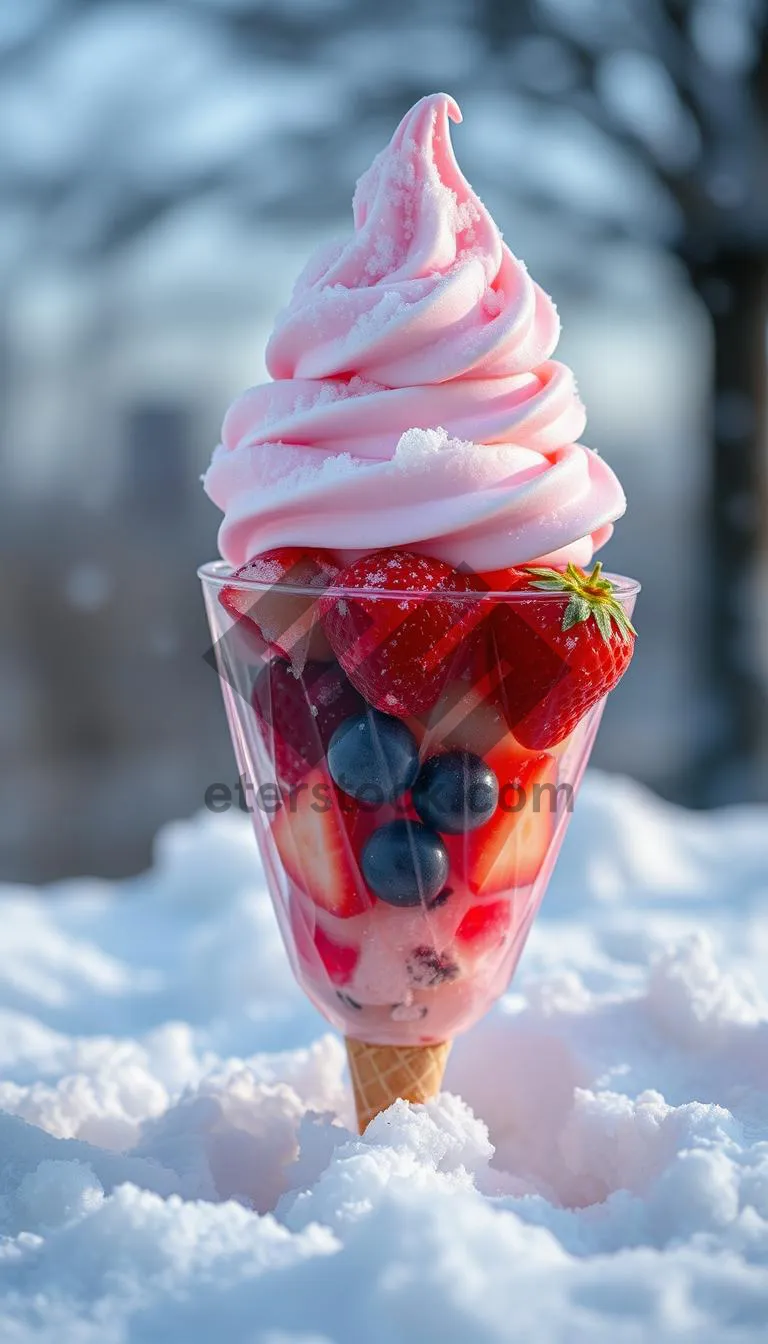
point(382, 1074)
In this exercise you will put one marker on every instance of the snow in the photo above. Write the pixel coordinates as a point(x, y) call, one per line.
point(175, 1120)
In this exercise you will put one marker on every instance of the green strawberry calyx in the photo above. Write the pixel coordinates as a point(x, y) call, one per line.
point(589, 595)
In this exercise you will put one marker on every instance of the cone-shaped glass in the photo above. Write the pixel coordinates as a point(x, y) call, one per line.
point(406, 853)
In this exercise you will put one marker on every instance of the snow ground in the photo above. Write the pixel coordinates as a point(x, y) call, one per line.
point(176, 1162)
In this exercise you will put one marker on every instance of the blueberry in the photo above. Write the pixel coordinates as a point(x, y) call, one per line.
point(456, 792)
point(373, 757)
point(441, 898)
point(405, 863)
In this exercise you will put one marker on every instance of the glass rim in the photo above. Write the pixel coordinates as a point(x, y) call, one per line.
point(218, 574)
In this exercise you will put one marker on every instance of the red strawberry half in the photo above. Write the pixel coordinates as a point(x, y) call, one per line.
point(562, 655)
point(312, 941)
point(484, 927)
point(399, 653)
point(510, 849)
point(287, 622)
point(310, 832)
point(339, 959)
point(298, 715)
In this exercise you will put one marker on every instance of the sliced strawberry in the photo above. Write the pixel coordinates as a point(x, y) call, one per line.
point(310, 832)
point(509, 850)
point(288, 622)
point(301, 932)
point(508, 758)
point(298, 714)
point(338, 959)
point(398, 651)
point(311, 941)
point(484, 926)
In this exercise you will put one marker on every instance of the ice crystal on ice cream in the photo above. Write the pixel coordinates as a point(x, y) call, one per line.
point(416, 447)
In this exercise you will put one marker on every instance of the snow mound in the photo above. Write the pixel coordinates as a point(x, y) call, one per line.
point(178, 1159)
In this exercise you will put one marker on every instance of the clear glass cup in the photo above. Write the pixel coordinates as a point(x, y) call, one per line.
point(404, 967)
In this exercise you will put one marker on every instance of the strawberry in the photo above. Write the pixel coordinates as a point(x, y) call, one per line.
point(287, 622)
point(310, 832)
point(339, 959)
point(474, 709)
point(298, 715)
point(484, 927)
point(509, 850)
point(503, 580)
point(398, 653)
point(312, 941)
point(563, 655)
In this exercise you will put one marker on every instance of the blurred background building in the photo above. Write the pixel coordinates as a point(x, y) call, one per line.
point(164, 170)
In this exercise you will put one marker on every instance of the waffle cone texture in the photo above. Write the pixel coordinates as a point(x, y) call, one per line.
point(382, 1074)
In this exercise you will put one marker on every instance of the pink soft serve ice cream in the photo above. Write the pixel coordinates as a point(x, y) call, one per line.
point(414, 400)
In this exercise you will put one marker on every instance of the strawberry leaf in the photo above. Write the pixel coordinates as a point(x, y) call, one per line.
point(588, 595)
point(603, 619)
point(578, 610)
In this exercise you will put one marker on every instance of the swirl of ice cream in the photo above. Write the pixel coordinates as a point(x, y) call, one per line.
point(415, 402)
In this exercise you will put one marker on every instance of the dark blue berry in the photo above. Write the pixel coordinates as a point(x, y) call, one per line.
point(373, 757)
point(456, 792)
point(441, 898)
point(405, 863)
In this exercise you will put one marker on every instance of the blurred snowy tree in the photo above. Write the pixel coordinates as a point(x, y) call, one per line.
point(683, 85)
